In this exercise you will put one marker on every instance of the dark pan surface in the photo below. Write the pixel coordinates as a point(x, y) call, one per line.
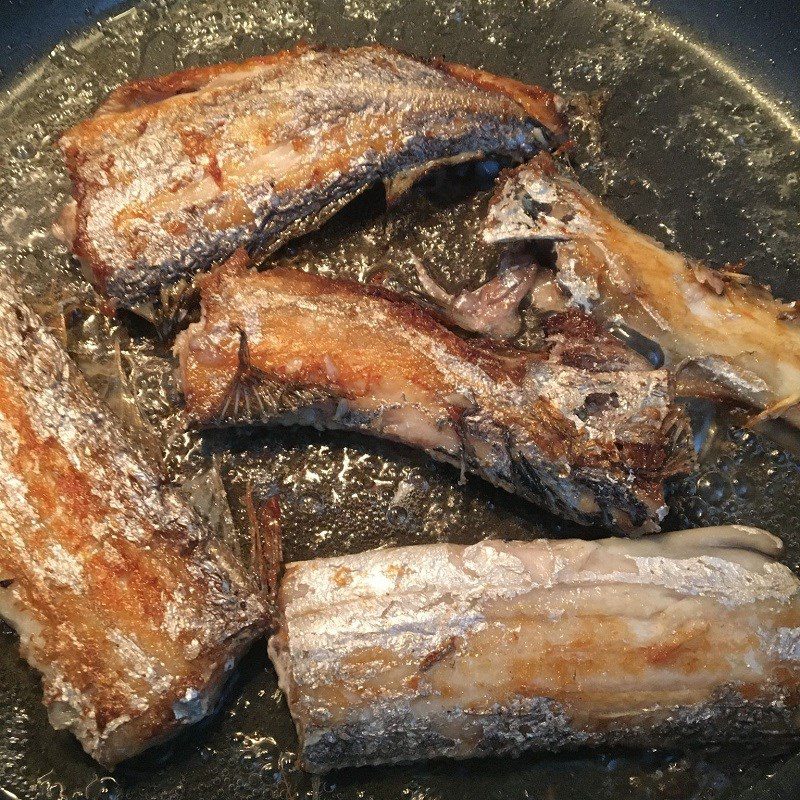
point(686, 150)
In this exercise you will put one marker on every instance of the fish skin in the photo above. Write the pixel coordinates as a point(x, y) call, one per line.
point(584, 427)
point(711, 324)
point(501, 648)
point(174, 173)
point(130, 611)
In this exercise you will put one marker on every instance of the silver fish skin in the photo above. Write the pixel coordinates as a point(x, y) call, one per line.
point(725, 335)
point(123, 602)
point(583, 427)
point(174, 173)
point(500, 648)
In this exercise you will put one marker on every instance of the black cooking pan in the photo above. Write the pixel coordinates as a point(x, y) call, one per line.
point(687, 149)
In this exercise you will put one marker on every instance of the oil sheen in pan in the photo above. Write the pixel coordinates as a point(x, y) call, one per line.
point(685, 152)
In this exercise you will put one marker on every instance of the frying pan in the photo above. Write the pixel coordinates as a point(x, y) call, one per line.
point(688, 149)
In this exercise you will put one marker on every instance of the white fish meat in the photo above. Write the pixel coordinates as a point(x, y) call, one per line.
point(712, 324)
point(500, 648)
point(584, 426)
point(123, 602)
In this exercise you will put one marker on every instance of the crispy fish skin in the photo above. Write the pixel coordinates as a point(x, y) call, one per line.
point(500, 648)
point(714, 323)
point(174, 173)
point(583, 427)
point(132, 615)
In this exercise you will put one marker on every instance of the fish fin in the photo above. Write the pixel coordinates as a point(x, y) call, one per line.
point(207, 494)
point(264, 520)
point(400, 184)
point(677, 430)
point(776, 409)
point(253, 396)
point(718, 279)
point(169, 310)
point(110, 376)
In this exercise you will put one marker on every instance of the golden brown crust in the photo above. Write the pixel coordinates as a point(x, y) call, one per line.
point(541, 104)
point(716, 323)
point(149, 91)
point(131, 613)
point(173, 173)
point(283, 341)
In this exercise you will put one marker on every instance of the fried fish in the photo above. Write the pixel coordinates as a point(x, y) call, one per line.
point(584, 426)
point(130, 611)
point(174, 173)
point(501, 648)
point(711, 324)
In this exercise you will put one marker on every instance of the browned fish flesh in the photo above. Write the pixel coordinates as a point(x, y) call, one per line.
point(710, 323)
point(583, 427)
point(131, 612)
point(174, 173)
point(499, 648)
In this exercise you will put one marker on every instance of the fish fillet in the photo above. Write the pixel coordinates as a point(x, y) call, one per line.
point(131, 614)
point(714, 323)
point(173, 173)
point(505, 647)
point(583, 427)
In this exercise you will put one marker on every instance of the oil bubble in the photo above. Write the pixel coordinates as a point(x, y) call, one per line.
point(398, 516)
point(713, 487)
